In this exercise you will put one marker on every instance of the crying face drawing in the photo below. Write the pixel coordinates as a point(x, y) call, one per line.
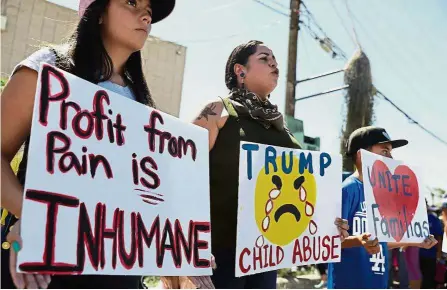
point(284, 202)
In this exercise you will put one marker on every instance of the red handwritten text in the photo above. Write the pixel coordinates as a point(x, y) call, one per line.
point(163, 236)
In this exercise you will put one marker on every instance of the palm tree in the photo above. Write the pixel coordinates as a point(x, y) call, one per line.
point(359, 100)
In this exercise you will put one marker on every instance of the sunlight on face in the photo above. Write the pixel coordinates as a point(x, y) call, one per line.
point(262, 72)
point(127, 23)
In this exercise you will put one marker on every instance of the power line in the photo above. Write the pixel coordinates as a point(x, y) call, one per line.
point(352, 23)
point(271, 8)
point(320, 76)
point(221, 37)
point(388, 100)
point(411, 119)
point(400, 73)
point(323, 93)
point(325, 41)
point(312, 18)
point(342, 22)
point(280, 4)
point(343, 55)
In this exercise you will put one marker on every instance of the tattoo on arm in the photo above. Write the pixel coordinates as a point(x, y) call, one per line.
point(207, 111)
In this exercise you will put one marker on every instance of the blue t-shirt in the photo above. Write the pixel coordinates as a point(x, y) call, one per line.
point(436, 230)
point(357, 269)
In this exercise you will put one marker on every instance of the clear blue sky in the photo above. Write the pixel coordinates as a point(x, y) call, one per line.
point(405, 41)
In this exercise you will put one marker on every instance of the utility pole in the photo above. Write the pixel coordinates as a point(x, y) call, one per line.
point(292, 56)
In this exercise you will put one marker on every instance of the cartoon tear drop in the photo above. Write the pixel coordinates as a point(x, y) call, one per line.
point(268, 206)
point(303, 193)
point(260, 241)
point(274, 193)
point(309, 209)
point(265, 223)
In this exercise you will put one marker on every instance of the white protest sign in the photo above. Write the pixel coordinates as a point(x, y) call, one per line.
point(113, 187)
point(288, 202)
point(396, 210)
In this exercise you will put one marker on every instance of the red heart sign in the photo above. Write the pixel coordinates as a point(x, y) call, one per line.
point(397, 195)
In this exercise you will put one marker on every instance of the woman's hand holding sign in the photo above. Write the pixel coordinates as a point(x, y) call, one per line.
point(23, 281)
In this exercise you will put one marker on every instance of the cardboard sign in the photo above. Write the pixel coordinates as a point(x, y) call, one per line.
point(288, 202)
point(396, 211)
point(113, 187)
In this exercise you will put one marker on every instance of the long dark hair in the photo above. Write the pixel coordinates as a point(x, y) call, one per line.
point(239, 55)
point(87, 57)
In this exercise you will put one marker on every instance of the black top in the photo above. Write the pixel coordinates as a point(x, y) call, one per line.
point(224, 171)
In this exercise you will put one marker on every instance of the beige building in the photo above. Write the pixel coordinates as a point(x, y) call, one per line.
point(28, 24)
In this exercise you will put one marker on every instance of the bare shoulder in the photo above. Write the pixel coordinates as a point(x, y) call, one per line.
point(211, 109)
point(211, 114)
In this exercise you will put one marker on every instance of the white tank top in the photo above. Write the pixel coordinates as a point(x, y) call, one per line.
point(48, 56)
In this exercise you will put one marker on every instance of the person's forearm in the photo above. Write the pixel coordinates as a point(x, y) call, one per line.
point(351, 242)
point(393, 245)
point(12, 191)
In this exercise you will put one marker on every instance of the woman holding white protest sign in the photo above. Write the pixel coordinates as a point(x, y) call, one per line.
point(245, 115)
point(105, 50)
